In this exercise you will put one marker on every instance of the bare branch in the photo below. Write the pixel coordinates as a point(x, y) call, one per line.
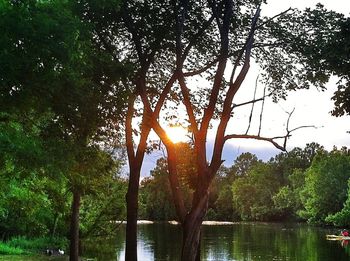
point(252, 110)
point(246, 103)
point(273, 17)
point(257, 137)
point(288, 134)
point(302, 127)
point(262, 110)
point(272, 140)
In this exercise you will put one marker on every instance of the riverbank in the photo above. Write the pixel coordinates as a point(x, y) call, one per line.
point(33, 246)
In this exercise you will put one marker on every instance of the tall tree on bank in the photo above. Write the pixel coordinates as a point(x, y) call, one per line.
point(169, 42)
point(260, 39)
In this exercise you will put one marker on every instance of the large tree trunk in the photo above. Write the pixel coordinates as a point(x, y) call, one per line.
point(192, 229)
point(131, 211)
point(74, 227)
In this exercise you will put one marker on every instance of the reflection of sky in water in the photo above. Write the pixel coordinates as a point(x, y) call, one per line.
point(144, 251)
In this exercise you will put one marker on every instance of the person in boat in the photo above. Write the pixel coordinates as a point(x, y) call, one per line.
point(345, 233)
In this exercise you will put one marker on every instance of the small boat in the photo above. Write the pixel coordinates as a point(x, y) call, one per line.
point(337, 237)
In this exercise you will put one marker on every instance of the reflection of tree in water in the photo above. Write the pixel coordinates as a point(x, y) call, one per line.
point(103, 248)
point(163, 240)
point(283, 242)
point(248, 242)
point(217, 242)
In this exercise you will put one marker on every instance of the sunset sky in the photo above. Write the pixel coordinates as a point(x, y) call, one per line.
point(312, 107)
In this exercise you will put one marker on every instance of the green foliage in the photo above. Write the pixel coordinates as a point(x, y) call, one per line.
point(288, 198)
point(59, 97)
point(9, 250)
point(341, 218)
point(23, 245)
point(155, 195)
point(101, 210)
point(25, 208)
point(243, 164)
point(252, 195)
point(325, 186)
point(37, 244)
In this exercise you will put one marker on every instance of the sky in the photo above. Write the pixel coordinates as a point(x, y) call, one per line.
point(311, 107)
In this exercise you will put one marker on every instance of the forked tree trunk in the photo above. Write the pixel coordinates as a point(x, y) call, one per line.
point(131, 212)
point(74, 227)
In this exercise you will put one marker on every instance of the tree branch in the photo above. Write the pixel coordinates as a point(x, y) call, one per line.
point(262, 110)
point(233, 88)
point(195, 38)
point(188, 104)
point(224, 33)
point(252, 109)
point(256, 137)
point(273, 17)
point(201, 70)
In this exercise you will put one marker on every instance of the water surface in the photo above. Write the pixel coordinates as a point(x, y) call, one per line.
point(237, 242)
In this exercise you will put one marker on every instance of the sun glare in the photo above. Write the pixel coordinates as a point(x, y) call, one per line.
point(177, 134)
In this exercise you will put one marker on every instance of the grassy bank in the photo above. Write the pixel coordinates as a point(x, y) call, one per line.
point(24, 246)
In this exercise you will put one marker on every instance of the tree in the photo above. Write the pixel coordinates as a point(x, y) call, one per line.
point(155, 194)
point(279, 70)
point(291, 168)
point(170, 42)
point(325, 186)
point(252, 195)
point(341, 218)
point(51, 68)
point(288, 199)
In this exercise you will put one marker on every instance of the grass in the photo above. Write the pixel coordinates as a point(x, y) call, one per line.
point(23, 245)
point(10, 250)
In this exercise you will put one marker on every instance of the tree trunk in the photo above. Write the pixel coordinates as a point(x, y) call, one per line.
point(54, 226)
point(192, 230)
point(131, 212)
point(74, 227)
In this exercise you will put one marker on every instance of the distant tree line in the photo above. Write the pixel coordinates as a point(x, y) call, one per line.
point(309, 184)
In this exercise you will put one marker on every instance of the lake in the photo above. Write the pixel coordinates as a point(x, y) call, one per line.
point(241, 241)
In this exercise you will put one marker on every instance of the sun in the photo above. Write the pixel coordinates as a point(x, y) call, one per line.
point(177, 134)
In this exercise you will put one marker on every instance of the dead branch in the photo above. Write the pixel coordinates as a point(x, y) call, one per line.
point(273, 17)
point(246, 103)
point(252, 110)
point(256, 137)
point(252, 101)
point(262, 110)
point(272, 140)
